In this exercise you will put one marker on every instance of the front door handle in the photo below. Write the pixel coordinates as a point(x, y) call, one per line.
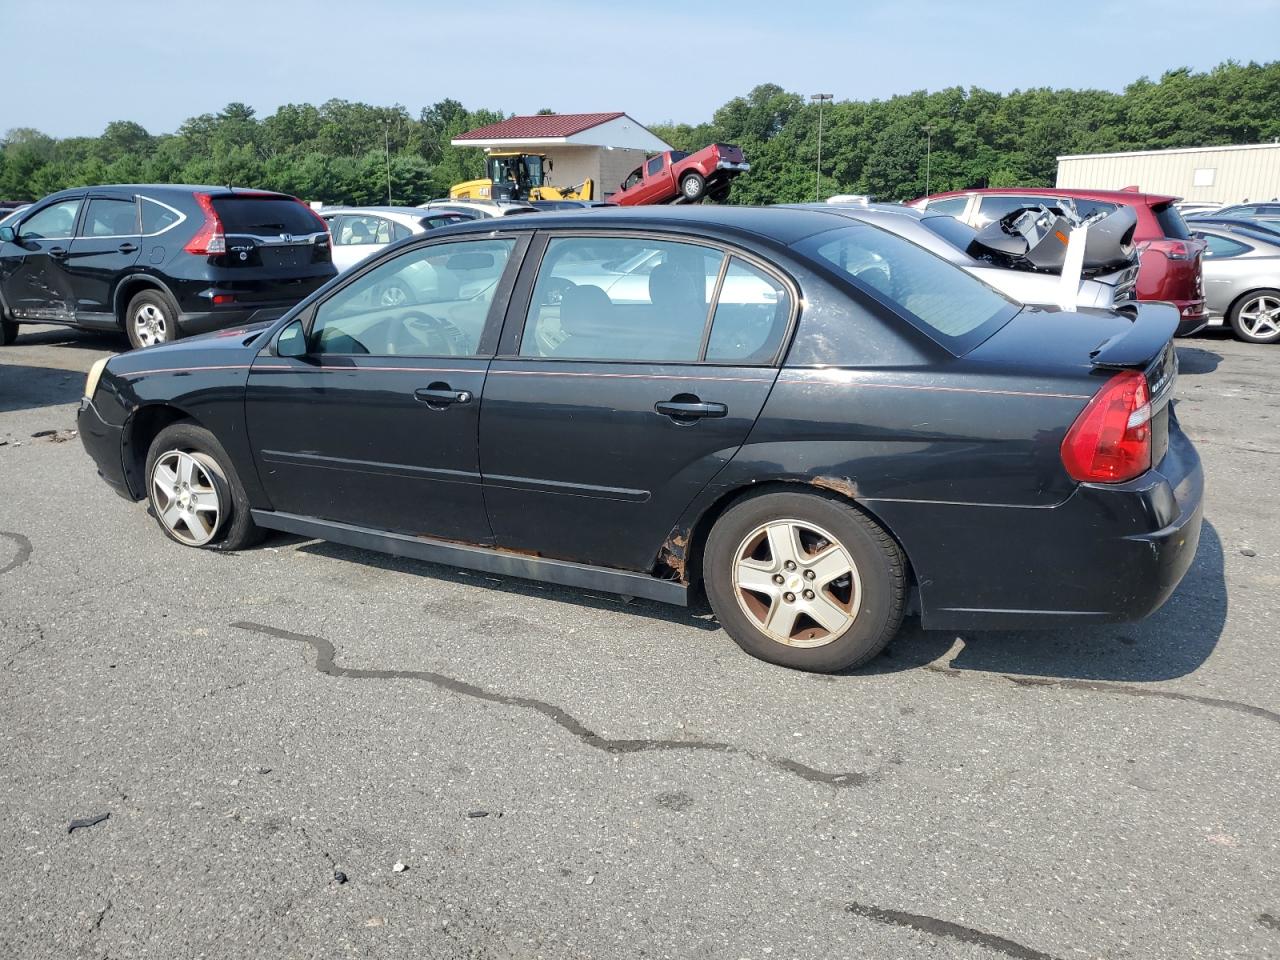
point(128, 248)
point(58, 253)
point(441, 395)
point(689, 410)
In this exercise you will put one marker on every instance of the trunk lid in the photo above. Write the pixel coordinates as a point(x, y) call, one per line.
point(272, 232)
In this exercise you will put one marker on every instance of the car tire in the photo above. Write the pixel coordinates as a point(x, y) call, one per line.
point(8, 332)
point(692, 186)
point(194, 492)
point(855, 612)
point(151, 319)
point(1255, 317)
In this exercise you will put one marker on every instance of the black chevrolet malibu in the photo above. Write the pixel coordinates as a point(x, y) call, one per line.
point(819, 423)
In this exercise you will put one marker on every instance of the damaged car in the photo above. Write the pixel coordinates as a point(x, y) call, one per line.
point(820, 454)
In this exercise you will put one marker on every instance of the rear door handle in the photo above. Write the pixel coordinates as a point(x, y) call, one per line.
point(690, 409)
point(439, 397)
point(128, 248)
point(58, 253)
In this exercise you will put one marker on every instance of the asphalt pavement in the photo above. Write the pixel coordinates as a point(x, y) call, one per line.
point(308, 750)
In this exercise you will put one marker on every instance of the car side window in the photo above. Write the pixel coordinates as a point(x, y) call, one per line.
point(991, 209)
point(428, 302)
point(1087, 208)
point(951, 206)
point(654, 166)
point(157, 217)
point(358, 231)
point(106, 217)
point(1220, 247)
point(621, 298)
point(52, 223)
point(751, 316)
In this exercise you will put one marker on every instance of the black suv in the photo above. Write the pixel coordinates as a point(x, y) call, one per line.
point(160, 262)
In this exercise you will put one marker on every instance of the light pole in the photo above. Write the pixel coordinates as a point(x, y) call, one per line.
point(821, 98)
point(386, 129)
point(928, 154)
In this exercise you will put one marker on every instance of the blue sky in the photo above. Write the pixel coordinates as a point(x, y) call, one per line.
point(161, 61)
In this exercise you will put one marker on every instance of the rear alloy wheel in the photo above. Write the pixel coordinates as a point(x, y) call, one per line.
point(692, 185)
point(1256, 317)
point(194, 492)
point(805, 581)
point(8, 332)
point(151, 319)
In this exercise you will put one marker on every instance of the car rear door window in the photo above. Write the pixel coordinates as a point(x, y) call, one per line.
point(993, 208)
point(751, 316)
point(57, 222)
point(428, 302)
point(354, 230)
point(951, 206)
point(157, 217)
point(621, 298)
point(107, 217)
point(1087, 208)
point(1220, 247)
point(654, 166)
point(941, 299)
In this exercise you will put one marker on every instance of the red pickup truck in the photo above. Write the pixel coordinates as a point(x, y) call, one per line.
point(679, 177)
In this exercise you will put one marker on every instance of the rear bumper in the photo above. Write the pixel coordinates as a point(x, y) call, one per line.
point(1192, 316)
point(103, 442)
point(1109, 552)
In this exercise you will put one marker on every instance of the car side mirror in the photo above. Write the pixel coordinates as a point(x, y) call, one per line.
point(8, 235)
point(292, 341)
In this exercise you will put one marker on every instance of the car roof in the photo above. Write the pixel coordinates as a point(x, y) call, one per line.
point(1130, 197)
point(403, 211)
point(783, 225)
point(1254, 236)
point(171, 188)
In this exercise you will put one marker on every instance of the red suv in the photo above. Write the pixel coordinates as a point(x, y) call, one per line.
point(1169, 268)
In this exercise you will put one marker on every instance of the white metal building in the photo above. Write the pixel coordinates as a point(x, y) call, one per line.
point(604, 147)
point(1217, 174)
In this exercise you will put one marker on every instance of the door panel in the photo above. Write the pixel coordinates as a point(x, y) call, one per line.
point(109, 242)
point(33, 267)
point(375, 425)
point(347, 438)
point(578, 464)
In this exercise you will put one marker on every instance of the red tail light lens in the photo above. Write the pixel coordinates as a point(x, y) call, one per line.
point(1110, 442)
point(1172, 249)
point(209, 239)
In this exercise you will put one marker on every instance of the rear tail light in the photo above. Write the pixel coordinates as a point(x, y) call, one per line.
point(210, 239)
point(1172, 249)
point(1110, 441)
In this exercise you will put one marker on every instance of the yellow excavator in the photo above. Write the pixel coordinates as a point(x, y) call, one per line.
point(518, 176)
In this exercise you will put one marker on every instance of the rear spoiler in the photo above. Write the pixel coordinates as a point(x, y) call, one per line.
point(1153, 328)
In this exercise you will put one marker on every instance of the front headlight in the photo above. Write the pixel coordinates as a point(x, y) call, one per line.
point(95, 372)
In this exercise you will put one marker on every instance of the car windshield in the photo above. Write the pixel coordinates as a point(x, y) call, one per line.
point(942, 300)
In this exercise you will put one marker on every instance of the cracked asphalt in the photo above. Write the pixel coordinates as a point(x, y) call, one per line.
point(563, 775)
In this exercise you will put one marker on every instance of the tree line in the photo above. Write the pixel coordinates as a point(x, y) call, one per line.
point(893, 149)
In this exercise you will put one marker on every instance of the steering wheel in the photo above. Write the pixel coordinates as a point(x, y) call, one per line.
point(437, 333)
point(553, 290)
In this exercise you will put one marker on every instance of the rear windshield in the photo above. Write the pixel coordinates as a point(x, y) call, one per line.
point(959, 235)
point(942, 300)
point(1171, 222)
point(264, 216)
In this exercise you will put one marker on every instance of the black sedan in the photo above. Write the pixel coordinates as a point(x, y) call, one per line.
point(821, 453)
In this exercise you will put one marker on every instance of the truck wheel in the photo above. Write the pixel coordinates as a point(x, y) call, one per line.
point(1256, 317)
point(805, 581)
point(692, 185)
point(8, 332)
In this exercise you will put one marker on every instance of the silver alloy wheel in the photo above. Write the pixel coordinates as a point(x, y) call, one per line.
point(394, 296)
point(690, 187)
point(797, 583)
point(186, 496)
point(1260, 317)
point(150, 325)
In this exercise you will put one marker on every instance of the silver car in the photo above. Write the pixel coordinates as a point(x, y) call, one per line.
point(948, 238)
point(1242, 281)
point(479, 209)
point(360, 232)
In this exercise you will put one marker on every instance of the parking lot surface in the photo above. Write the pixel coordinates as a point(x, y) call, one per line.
point(504, 770)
